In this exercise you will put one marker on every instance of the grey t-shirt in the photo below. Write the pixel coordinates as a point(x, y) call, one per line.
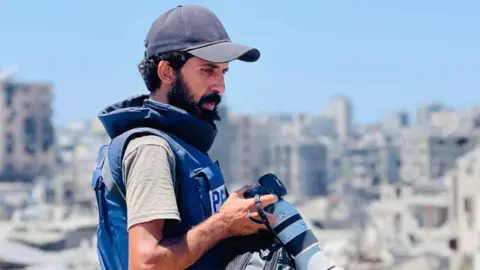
point(149, 173)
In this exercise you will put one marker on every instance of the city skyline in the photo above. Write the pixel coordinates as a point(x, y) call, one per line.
point(412, 115)
point(10, 74)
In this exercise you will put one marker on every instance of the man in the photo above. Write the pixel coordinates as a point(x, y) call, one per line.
point(162, 201)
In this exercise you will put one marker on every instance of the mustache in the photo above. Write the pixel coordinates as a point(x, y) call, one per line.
point(214, 97)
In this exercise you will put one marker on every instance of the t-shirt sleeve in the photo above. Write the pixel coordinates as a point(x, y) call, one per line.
point(149, 175)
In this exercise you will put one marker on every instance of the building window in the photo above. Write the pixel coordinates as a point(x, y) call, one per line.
point(9, 89)
point(468, 208)
point(419, 215)
point(10, 143)
point(469, 169)
point(462, 141)
point(68, 195)
point(50, 195)
point(48, 135)
point(455, 197)
point(336, 163)
point(8, 174)
point(11, 116)
point(29, 135)
point(441, 169)
point(477, 122)
point(398, 223)
point(28, 173)
point(375, 181)
point(442, 217)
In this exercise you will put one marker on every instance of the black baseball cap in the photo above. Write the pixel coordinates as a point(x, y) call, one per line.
point(198, 31)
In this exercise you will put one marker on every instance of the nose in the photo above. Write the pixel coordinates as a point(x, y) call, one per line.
point(219, 85)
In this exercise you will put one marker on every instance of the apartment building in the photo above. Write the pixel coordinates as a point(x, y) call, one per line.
point(261, 144)
point(299, 160)
point(242, 163)
point(427, 153)
point(250, 137)
point(302, 166)
point(340, 110)
point(465, 212)
point(26, 131)
point(373, 160)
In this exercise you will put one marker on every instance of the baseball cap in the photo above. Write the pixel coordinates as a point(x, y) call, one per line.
point(198, 31)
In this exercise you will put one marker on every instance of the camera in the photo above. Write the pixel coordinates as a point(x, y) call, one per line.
point(290, 228)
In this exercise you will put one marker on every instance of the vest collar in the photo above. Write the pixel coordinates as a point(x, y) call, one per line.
point(140, 111)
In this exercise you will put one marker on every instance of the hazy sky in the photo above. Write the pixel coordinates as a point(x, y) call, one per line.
point(385, 55)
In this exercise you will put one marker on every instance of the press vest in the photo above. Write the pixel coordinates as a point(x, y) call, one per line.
point(199, 187)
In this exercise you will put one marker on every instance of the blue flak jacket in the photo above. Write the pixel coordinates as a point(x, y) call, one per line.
point(199, 184)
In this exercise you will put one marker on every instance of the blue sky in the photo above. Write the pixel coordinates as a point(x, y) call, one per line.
point(385, 55)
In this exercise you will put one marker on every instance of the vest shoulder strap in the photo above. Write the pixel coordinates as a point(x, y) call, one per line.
point(116, 150)
point(99, 165)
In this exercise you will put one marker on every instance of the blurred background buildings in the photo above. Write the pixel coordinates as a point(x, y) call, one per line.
point(388, 195)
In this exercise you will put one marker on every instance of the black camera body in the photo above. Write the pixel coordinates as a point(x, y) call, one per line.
point(268, 184)
point(290, 228)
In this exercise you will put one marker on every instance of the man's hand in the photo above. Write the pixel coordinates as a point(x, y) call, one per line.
point(234, 212)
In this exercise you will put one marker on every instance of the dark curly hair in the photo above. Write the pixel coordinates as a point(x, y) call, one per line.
point(149, 66)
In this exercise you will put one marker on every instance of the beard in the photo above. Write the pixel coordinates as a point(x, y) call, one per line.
point(180, 96)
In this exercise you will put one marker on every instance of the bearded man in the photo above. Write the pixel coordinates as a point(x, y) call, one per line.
point(162, 201)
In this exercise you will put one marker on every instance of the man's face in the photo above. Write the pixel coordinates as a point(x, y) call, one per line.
point(199, 88)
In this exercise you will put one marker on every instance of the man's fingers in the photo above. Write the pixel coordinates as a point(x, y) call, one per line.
point(265, 200)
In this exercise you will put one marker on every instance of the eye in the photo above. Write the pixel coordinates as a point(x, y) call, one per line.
point(209, 71)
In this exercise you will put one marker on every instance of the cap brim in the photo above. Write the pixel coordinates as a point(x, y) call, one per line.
point(225, 52)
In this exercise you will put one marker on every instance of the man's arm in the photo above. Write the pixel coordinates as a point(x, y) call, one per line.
point(149, 250)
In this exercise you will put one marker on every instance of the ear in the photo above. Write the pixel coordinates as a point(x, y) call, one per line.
point(166, 73)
